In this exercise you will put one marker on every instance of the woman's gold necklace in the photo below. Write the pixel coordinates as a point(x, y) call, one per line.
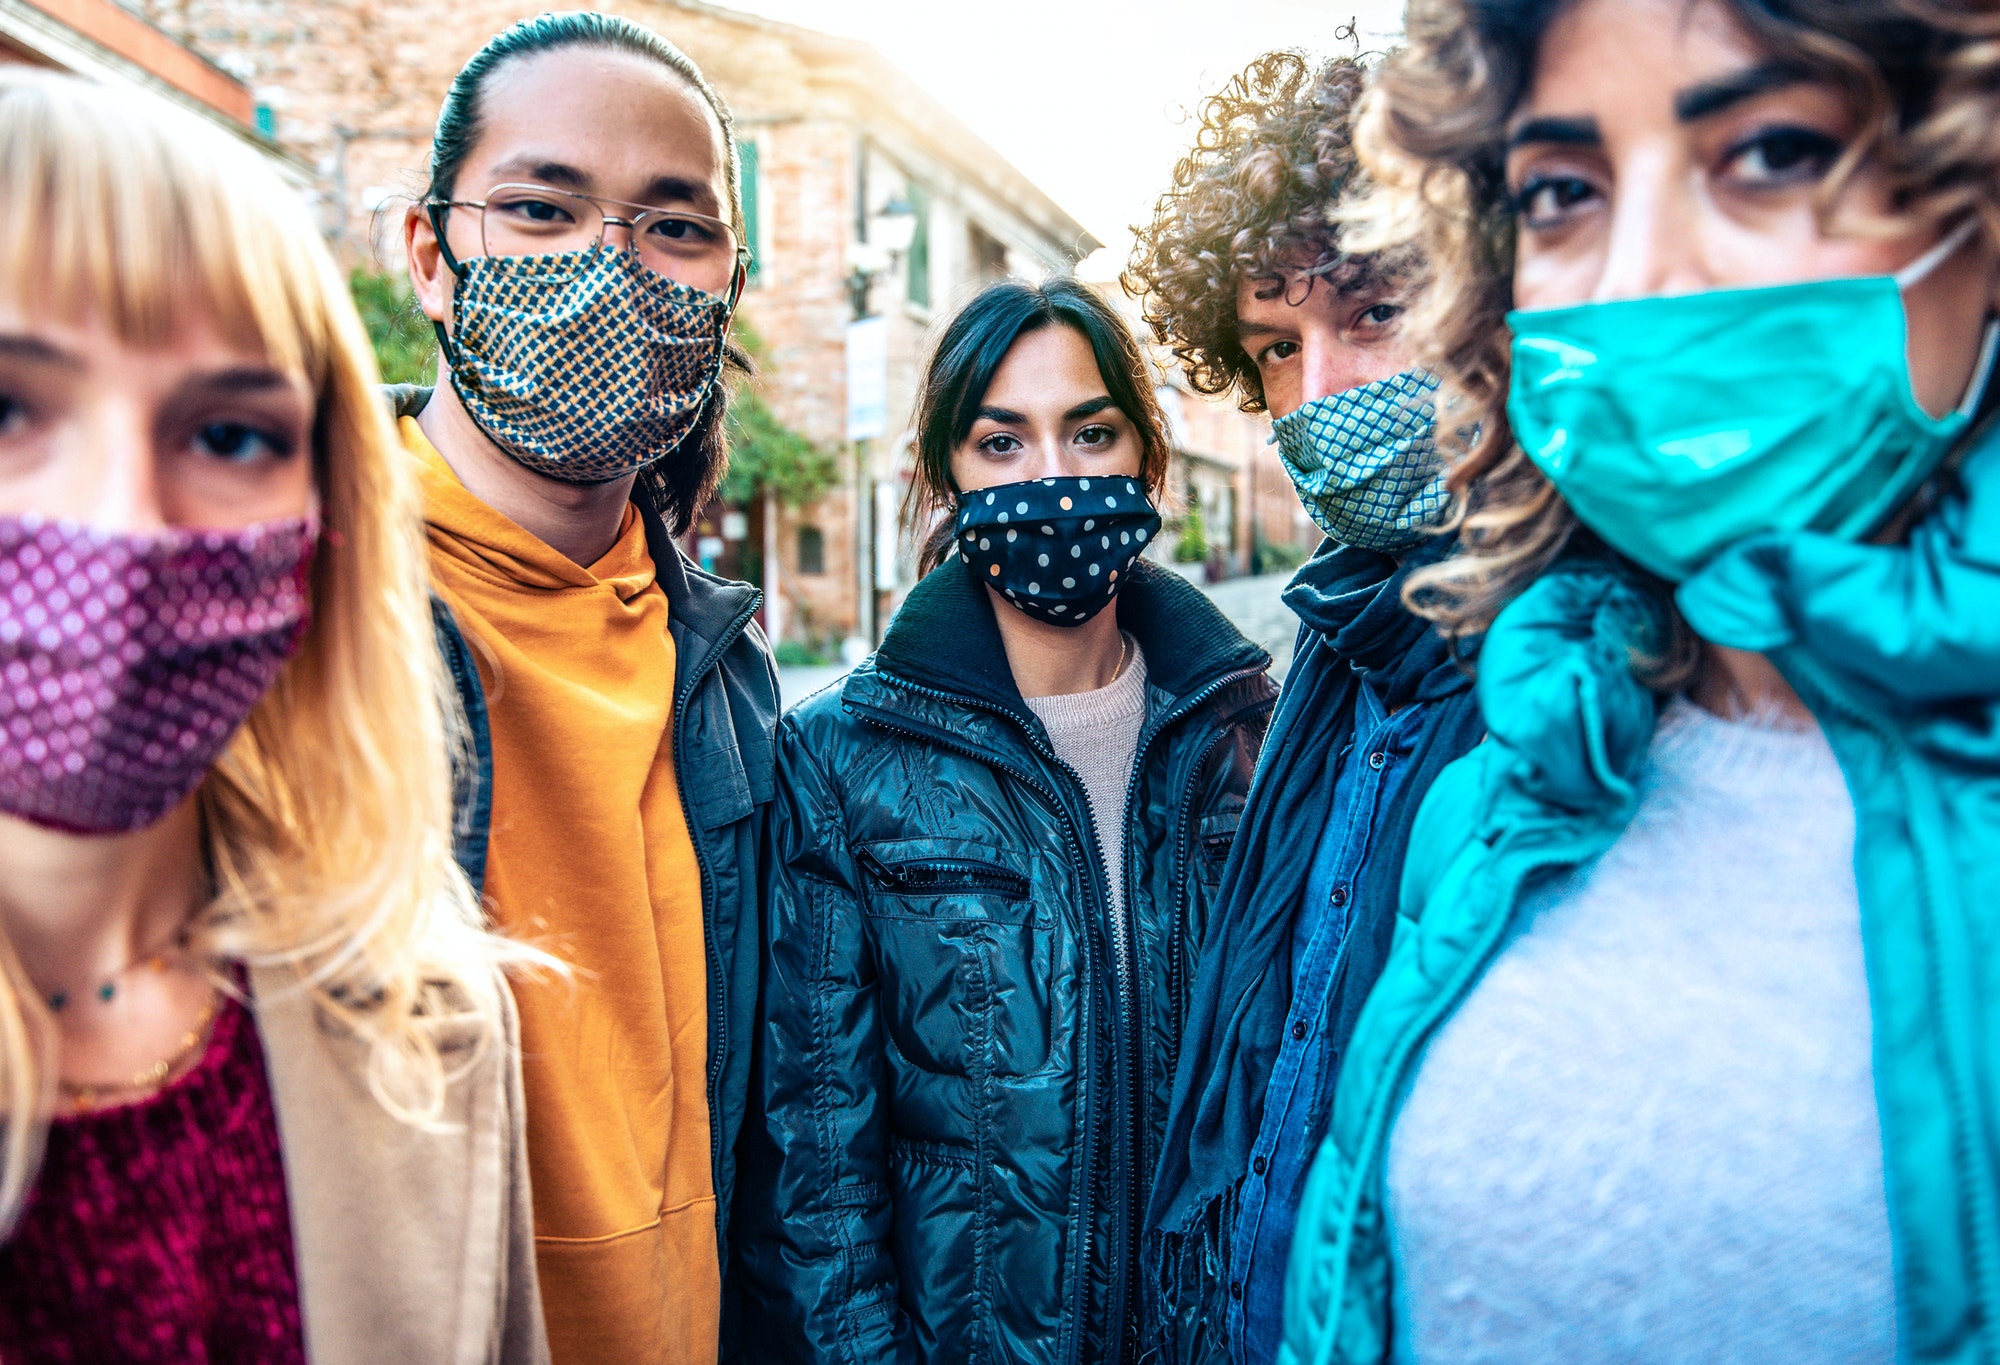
point(85, 1096)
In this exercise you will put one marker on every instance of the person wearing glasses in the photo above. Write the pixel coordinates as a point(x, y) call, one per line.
point(578, 250)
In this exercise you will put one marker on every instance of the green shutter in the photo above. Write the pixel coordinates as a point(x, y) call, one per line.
point(753, 228)
point(920, 249)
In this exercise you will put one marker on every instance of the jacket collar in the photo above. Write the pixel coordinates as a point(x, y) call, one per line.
point(945, 637)
point(380, 1210)
point(1558, 694)
point(1909, 630)
point(703, 605)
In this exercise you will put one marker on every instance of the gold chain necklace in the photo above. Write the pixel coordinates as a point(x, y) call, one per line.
point(85, 1096)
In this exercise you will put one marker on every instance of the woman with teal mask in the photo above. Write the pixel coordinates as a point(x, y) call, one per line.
point(1686, 1048)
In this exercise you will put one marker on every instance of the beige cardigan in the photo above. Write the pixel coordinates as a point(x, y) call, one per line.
point(413, 1247)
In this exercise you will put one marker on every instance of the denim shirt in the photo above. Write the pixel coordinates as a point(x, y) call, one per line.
point(1368, 773)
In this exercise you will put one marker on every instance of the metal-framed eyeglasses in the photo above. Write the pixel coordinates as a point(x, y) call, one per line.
point(517, 221)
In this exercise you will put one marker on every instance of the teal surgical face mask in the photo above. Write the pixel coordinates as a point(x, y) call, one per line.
point(1365, 461)
point(1674, 427)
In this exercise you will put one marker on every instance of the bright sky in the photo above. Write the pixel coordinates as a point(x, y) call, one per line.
point(1091, 98)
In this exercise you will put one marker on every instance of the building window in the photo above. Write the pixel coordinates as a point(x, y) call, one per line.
point(920, 249)
point(753, 204)
point(812, 550)
point(989, 255)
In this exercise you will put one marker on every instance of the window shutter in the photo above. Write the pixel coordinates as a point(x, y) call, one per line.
point(752, 188)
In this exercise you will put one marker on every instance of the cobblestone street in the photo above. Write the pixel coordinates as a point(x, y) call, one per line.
point(1257, 607)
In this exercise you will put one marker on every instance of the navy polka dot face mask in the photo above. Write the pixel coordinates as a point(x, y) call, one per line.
point(1059, 549)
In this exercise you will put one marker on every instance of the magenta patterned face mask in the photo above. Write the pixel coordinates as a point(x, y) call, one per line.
point(127, 661)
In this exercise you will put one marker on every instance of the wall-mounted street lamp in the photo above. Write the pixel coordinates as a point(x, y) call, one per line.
point(890, 234)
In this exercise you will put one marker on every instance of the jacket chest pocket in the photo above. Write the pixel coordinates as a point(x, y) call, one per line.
point(1215, 837)
point(962, 957)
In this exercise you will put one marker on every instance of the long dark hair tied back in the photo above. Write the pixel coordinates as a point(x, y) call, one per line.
point(678, 485)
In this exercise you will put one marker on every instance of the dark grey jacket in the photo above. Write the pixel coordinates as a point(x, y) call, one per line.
point(967, 1055)
point(725, 713)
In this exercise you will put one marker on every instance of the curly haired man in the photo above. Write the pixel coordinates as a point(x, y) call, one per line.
point(1243, 275)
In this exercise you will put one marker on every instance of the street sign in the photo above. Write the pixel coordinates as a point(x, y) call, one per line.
point(867, 379)
point(885, 535)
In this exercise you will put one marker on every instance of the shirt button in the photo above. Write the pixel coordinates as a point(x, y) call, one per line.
point(1377, 759)
point(1258, 1165)
point(1236, 1289)
point(1299, 1029)
point(1339, 897)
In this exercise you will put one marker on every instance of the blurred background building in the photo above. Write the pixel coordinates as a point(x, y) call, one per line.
point(108, 42)
point(872, 212)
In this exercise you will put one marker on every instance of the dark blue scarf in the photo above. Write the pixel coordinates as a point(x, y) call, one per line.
point(1352, 625)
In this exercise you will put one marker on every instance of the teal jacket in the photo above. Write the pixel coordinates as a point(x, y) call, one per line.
point(1896, 649)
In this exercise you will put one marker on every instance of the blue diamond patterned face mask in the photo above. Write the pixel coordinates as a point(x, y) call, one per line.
point(582, 365)
point(1365, 461)
point(1056, 548)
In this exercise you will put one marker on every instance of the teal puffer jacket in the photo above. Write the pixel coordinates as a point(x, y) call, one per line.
point(1896, 649)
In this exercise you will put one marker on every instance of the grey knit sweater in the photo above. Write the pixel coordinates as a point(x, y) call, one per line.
point(1097, 733)
point(1649, 1134)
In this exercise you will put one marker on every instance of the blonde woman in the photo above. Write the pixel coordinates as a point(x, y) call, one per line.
point(259, 1099)
point(1685, 1049)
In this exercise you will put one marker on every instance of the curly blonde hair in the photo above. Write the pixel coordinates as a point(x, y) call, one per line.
point(1922, 75)
point(327, 820)
point(1253, 199)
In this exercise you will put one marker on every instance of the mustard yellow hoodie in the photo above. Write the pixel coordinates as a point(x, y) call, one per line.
point(591, 859)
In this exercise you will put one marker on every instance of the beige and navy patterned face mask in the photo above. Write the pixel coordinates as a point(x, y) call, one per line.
point(583, 365)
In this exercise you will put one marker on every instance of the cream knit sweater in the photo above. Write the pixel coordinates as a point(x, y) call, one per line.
point(1097, 734)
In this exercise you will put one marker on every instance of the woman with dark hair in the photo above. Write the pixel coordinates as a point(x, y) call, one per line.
point(579, 253)
point(993, 853)
point(1686, 1049)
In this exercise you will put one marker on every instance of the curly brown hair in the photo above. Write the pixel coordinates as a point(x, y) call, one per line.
point(1255, 198)
point(1922, 75)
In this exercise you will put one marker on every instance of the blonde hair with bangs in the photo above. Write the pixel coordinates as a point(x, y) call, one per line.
point(327, 820)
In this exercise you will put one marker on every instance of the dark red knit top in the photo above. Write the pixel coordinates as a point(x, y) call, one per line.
point(159, 1231)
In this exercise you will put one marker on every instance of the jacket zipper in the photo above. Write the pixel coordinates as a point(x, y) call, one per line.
point(944, 876)
point(1124, 1301)
point(1123, 1314)
point(718, 1016)
point(1176, 987)
point(1983, 1273)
